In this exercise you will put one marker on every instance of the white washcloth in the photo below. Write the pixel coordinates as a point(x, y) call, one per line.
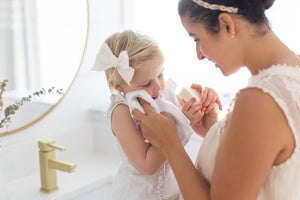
point(182, 123)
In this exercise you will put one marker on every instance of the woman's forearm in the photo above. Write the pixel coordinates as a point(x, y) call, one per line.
point(191, 183)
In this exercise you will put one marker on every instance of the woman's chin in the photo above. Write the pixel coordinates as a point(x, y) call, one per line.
point(224, 71)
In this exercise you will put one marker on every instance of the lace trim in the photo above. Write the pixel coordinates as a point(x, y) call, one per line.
point(282, 70)
point(161, 182)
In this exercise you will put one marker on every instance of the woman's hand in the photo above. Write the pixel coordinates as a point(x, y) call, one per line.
point(202, 116)
point(158, 128)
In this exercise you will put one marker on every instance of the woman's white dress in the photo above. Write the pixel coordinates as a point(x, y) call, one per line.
point(283, 181)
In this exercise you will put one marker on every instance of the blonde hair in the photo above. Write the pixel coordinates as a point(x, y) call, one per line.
point(139, 47)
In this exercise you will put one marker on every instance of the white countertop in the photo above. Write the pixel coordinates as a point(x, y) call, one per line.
point(94, 169)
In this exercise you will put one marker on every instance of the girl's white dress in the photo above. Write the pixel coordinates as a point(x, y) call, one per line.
point(283, 181)
point(130, 184)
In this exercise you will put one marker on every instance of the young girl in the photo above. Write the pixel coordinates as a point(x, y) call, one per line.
point(133, 64)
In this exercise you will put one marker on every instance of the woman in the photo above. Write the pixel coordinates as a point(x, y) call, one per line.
point(254, 152)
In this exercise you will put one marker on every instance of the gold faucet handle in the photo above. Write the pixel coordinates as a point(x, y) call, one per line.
point(58, 147)
point(47, 144)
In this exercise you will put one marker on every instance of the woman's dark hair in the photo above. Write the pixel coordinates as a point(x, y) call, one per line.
point(251, 10)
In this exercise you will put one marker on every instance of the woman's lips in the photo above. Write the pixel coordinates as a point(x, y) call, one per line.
point(154, 97)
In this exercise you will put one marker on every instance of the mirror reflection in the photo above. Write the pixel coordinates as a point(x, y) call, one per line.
point(42, 42)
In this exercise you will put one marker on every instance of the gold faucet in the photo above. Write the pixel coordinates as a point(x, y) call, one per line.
point(49, 165)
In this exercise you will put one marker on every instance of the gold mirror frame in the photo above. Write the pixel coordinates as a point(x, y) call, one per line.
point(67, 91)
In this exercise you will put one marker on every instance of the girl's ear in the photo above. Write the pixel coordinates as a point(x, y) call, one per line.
point(227, 24)
point(116, 86)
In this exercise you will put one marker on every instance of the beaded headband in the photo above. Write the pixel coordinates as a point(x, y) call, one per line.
point(217, 7)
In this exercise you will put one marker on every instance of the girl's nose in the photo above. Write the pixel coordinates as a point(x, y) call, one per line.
point(156, 85)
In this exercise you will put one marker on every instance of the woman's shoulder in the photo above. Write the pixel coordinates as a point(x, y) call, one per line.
point(252, 97)
point(257, 116)
point(253, 100)
point(260, 113)
point(256, 100)
point(265, 118)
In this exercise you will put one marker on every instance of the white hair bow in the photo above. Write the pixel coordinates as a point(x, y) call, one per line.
point(106, 59)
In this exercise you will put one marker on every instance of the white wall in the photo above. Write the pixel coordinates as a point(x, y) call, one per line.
point(84, 104)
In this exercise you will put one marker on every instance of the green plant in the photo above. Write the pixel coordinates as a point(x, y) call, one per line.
point(11, 109)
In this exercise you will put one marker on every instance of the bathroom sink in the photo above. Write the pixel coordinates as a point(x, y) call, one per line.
point(90, 146)
point(104, 192)
point(91, 178)
point(98, 190)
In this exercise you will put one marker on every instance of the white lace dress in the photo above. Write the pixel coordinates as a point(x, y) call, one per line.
point(131, 184)
point(283, 181)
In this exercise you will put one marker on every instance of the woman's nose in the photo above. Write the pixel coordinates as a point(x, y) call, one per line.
point(200, 55)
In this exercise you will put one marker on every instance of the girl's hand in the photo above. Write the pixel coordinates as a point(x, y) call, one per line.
point(208, 97)
point(202, 116)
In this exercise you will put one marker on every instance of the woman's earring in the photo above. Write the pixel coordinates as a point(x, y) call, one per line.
point(232, 35)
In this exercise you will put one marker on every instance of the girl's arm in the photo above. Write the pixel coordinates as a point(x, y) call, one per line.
point(256, 137)
point(144, 156)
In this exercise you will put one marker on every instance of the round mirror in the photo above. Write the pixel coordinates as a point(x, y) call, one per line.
point(42, 46)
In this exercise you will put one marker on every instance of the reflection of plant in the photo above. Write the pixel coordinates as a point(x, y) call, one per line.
point(2, 89)
point(10, 110)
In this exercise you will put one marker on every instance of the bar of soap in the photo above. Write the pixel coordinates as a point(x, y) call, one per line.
point(187, 93)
